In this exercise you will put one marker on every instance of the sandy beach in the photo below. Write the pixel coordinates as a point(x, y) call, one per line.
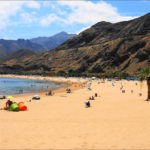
point(115, 120)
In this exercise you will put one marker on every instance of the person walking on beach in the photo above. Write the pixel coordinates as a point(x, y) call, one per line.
point(89, 86)
point(96, 94)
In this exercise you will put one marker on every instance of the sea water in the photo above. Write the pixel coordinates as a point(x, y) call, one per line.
point(11, 86)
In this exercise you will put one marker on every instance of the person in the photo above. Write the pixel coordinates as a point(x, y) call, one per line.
point(92, 98)
point(89, 86)
point(140, 94)
point(123, 91)
point(87, 104)
point(96, 94)
point(113, 85)
point(8, 103)
point(68, 90)
point(20, 91)
point(50, 93)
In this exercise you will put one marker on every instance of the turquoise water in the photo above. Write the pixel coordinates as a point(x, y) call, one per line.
point(10, 86)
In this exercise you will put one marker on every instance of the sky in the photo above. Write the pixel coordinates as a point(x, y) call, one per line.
point(29, 19)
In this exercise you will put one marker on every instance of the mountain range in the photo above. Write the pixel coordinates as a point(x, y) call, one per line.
point(51, 42)
point(38, 45)
point(105, 46)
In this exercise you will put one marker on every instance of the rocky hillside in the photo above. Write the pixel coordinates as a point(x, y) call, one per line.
point(123, 46)
point(18, 56)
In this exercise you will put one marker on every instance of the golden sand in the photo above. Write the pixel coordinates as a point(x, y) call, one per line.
point(115, 120)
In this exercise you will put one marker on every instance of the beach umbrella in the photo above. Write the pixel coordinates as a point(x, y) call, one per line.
point(10, 97)
point(36, 97)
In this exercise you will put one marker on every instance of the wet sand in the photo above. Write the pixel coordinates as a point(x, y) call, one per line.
point(115, 120)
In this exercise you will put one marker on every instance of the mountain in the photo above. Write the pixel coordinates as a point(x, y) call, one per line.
point(17, 55)
point(53, 41)
point(9, 46)
point(37, 45)
point(123, 46)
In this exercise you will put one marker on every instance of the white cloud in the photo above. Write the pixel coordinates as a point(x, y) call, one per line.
point(45, 21)
point(50, 4)
point(46, 3)
point(28, 18)
point(33, 4)
point(8, 9)
point(86, 12)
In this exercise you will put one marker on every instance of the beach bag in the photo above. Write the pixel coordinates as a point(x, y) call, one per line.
point(14, 107)
point(21, 106)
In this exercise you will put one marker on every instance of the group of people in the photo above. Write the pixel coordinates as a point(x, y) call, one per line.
point(88, 104)
point(21, 91)
point(13, 106)
point(132, 91)
point(68, 90)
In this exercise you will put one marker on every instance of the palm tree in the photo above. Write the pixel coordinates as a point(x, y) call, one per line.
point(145, 75)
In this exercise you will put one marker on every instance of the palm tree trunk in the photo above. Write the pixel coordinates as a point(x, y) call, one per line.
point(148, 86)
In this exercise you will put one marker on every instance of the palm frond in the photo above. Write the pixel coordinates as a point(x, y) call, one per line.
point(145, 74)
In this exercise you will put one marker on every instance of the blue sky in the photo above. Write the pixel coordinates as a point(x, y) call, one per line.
point(28, 19)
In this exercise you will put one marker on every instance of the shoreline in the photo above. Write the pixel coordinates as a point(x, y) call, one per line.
point(61, 80)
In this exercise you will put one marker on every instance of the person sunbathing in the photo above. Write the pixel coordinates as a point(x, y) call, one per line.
point(8, 103)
